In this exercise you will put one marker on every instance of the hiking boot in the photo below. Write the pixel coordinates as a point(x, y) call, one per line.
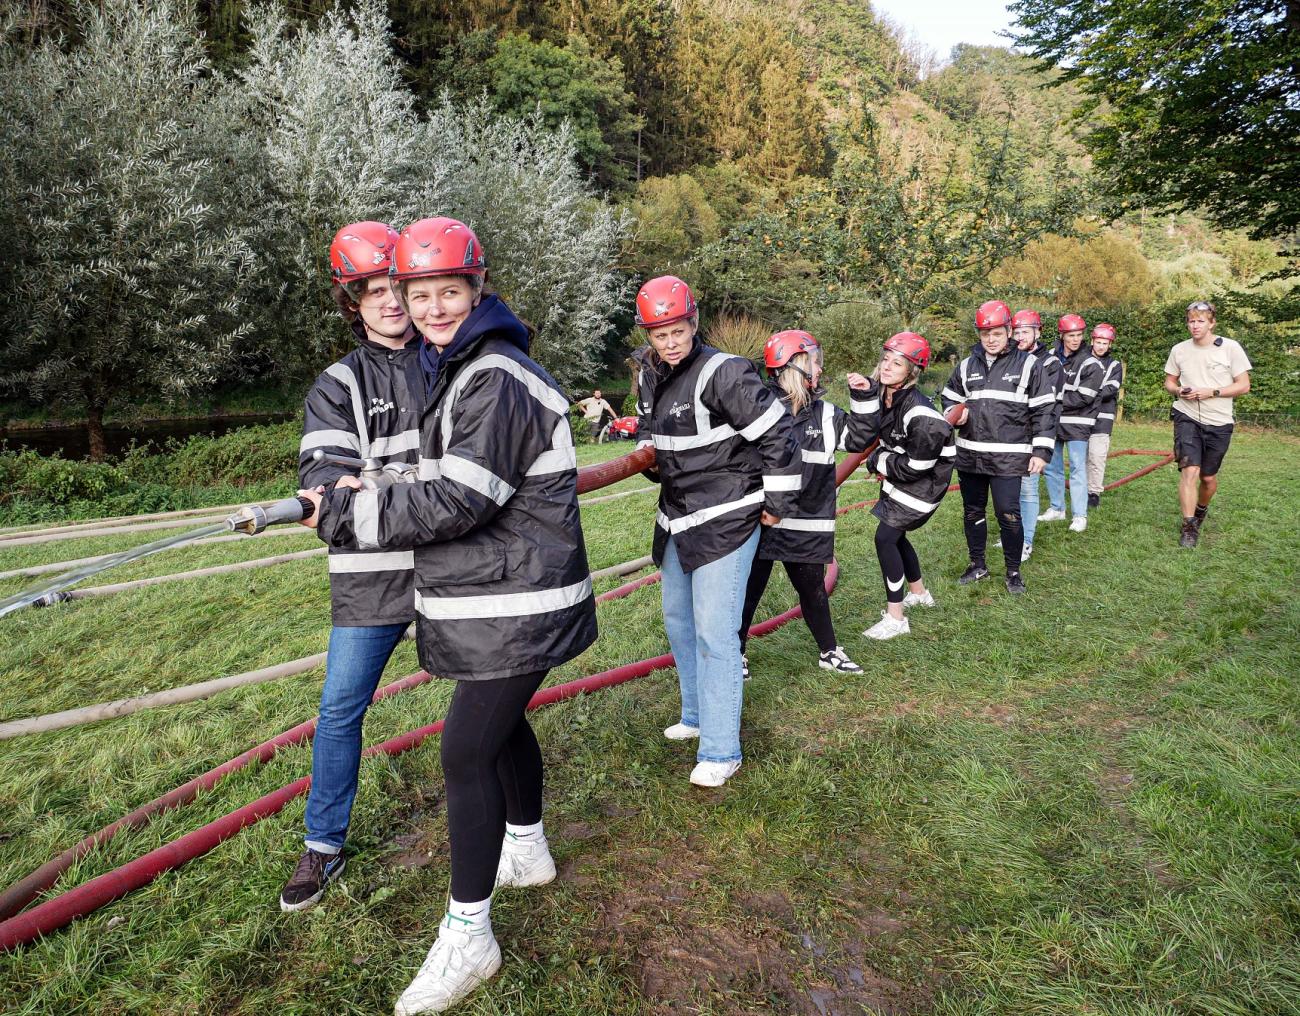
point(458, 962)
point(1079, 523)
point(1094, 500)
point(1015, 584)
point(837, 659)
point(1191, 533)
point(888, 627)
point(974, 573)
point(714, 774)
point(922, 599)
point(310, 879)
point(1199, 520)
point(524, 863)
point(1052, 515)
point(681, 732)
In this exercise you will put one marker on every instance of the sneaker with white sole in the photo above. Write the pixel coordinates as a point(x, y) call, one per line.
point(1079, 523)
point(922, 599)
point(524, 863)
point(744, 667)
point(1026, 551)
point(310, 879)
point(681, 732)
point(713, 774)
point(457, 964)
point(888, 627)
point(838, 660)
point(1052, 515)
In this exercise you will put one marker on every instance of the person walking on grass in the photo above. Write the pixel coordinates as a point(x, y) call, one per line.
point(1026, 333)
point(594, 411)
point(804, 540)
point(1103, 339)
point(367, 405)
point(502, 588)
point(914, 459)
point(1005, 431)
point(727, 459)
point(1204, 374)
point(1079, 401)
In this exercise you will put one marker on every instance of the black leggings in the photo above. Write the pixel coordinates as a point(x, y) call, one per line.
point(975, 489)
point(898, 561)
point(493, 768)
point(809, 582)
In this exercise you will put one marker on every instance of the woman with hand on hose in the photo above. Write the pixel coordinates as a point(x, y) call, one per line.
point(804, 540)
point(914, 459)
point(502, 588)
point(726, 456)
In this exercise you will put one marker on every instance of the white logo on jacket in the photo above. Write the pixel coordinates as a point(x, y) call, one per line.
point(678, 409)
point(378, 405)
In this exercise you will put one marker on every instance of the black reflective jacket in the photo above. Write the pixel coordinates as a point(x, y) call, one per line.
point(1110, 385)
point(1080, 397)
point(501, 580)
point(1012, 412)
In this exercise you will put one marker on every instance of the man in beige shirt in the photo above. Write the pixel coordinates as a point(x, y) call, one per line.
point(1204, 374)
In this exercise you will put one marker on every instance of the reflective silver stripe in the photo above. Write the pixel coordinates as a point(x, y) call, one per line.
point(1081, 421)
point(1044, 442)
point(807, 525)
point(407, 441)
point(991, 446)
point(828, 430)
point(779, 483)
point(685, 442)
point(1105, 416)
point(535, 386)
point(816, 458)
point(349, 380)
point(470, 608)
point(948, 452)
point(1042, 400)
point(391, 560)
point(922, 463)
point(703, 421)
point(991, 393)
point(555, 460)
point(329, 439)
point(764, 423)
point(365, 519)
point(474, 476)
point(429, 469)
point(948, 393)
point(1030, 361)
point(882, 462)
point(1090, 392)
point(866, 406)
point(903, 498)
point(919, 411)
point(707, 514)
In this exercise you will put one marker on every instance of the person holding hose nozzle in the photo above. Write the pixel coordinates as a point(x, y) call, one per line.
point(804, 540)
point(365, 406)
point(726, 456)
point(502, 587)
point(914, 460)
point(1005, 431)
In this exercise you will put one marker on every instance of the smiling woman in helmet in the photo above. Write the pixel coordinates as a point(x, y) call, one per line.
point(502, 588)
point(914, 460)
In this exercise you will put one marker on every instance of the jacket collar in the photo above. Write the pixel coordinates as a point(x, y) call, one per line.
point(365, 342)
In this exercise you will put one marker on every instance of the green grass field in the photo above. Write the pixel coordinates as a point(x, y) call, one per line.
point(1082, 801)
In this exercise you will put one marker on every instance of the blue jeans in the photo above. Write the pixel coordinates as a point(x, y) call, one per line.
point(1029, 506)
point(357, 657)
point(1078, 455)
point(702, 615)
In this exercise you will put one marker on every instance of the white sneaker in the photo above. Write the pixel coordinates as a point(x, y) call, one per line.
point(888, 627)
point(744, 667)
point(1024, 553)
point(713, 774)
point(918, 600)
point(1079, 524)
point(837, 659)
point(681, 732)
point(457, 964)
point(524, 863)
point(1052, 515)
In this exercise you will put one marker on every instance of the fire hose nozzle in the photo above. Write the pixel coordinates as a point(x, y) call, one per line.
point(252, 518)
point(364, 466)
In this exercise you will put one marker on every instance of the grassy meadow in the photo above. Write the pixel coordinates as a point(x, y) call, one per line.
point(1085, 800)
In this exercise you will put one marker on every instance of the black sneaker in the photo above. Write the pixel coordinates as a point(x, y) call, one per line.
point(1094, 500)
point(310, 879)
point(974, 573)
point(1191, 533)
point(1015, 584)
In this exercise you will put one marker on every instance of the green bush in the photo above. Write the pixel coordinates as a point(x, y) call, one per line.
point(248, 455)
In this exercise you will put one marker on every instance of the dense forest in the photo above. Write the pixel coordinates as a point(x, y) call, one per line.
point(801, 163)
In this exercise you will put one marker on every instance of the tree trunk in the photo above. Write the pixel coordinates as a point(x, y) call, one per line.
point(95, 432)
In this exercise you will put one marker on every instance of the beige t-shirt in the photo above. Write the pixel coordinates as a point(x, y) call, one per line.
point(1213, 365)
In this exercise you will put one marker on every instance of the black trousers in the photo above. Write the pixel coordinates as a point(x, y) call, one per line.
point(898, 561)
point(809, 582)
point(493, 768)
point(975, 489)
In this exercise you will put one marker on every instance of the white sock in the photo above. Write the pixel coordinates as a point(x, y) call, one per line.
point(475, 918)
point(524, 833)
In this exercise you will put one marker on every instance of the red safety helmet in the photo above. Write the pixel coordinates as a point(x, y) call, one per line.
point(1027, 319)
point(663, 301)
point(911, 347)
point(992, 314)
point(1104, 331)
point(1071, 323)
point(440, 246)
point(784, 346)
point(361, 250)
